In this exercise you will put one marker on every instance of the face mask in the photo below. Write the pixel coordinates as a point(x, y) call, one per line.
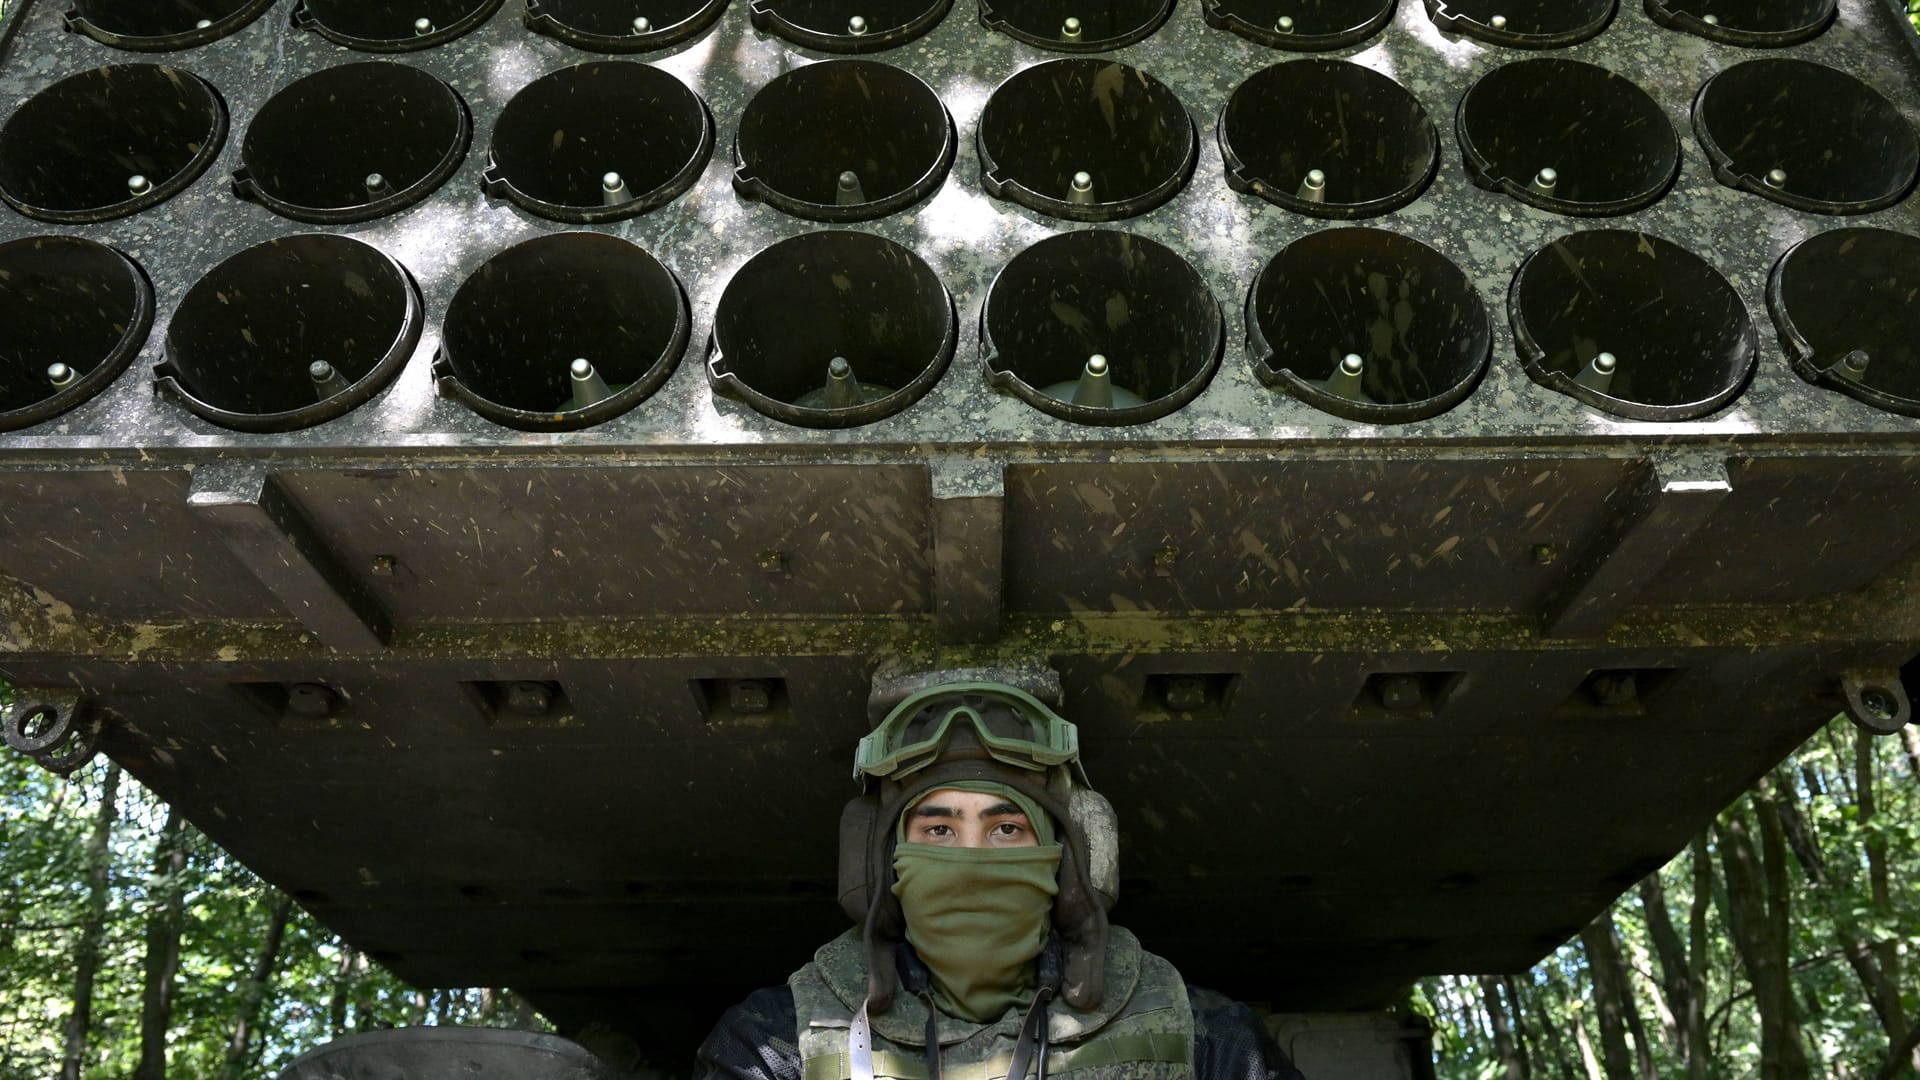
point(977, 917)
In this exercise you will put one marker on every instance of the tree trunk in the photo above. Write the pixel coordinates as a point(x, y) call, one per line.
point(417, 1008)
point(1613, 997)
point(1522, 1038)
point(1560, 992)
point(1757, 911)
point(1700, 1055)
point(1910, 740)
point(1591, 1063)
point(163, 947)
point(1504, 1046)
point(1687, 1034)
point(254, 992)
point(337, 1000)
point(86, 951)
point(1886, 953)
point(1881, 989)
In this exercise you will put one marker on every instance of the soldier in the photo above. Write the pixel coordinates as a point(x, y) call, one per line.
point(978, 868)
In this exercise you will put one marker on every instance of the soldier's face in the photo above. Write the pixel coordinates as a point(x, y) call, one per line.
point(975, 819)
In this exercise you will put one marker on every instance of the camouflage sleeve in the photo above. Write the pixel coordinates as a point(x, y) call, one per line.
point(754, 1040)
point(1230, 1042)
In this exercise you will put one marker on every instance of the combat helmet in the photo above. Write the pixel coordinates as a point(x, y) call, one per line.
point(959, 731)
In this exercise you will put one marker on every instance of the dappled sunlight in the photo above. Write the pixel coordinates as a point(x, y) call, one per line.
point(1734, 421)
point(1380, 58)
point(512, 66)
point(1458, 54)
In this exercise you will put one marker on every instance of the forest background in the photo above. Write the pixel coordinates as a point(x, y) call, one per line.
point(1779, 945)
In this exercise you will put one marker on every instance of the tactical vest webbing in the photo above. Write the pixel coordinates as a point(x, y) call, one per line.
point(1141, 1030)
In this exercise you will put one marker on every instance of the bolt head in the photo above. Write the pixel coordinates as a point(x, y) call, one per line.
point(1878, 703)
point(1498, 22)
point(1400, 692)
point(528, 698)
point(642, 25)
point(748, 697)
point(1186, 693)
point(1284, 24)
point(423, 25)
point(1615, 689)
point(857, 25)
point(311, 700)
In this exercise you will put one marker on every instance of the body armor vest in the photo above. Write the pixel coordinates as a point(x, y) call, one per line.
point(1142, 1028)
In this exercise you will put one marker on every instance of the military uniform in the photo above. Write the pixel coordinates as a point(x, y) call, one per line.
point(1149, 1025)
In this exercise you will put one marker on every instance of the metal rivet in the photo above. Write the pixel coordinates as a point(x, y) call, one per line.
point(1547, 179)
point(61, 376)
point(1498, 22)
point(376, 183)
point(1776, 178)
point(138, 184)
point(1284, 24)
point(422, 26)
point(1070, 29)
point(1711, 20)
point(641, 25)
point(203, 24)
point(857, 25)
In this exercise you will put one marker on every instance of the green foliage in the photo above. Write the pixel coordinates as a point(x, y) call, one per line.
point(44, 825)
point(1841, 1031)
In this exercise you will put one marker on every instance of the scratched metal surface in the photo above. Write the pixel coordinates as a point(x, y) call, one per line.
point(706, 234)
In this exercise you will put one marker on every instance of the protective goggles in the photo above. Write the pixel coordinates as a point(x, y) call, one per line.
point(1012, 726)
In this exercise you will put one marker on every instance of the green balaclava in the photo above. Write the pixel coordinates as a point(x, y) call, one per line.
point(979, 916)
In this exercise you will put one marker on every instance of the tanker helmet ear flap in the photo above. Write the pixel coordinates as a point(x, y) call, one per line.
point(859, 820)
point(1080, 917)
